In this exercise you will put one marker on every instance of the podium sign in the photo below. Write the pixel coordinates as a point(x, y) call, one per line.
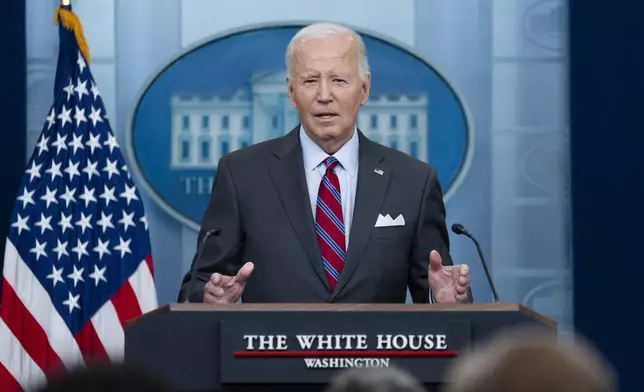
point(244, 347)
point(310, 348)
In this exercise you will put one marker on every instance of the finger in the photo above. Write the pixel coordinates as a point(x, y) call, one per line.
point(462, 297)
point(215, 278)
point(465, 270)
point(213, 290)
point(244, 273)
point(218, 292)
point(461, 289)
point(435, 261)
point(463, 280)
point(209, 298)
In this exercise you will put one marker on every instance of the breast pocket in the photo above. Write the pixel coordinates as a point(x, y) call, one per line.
point(390, 232)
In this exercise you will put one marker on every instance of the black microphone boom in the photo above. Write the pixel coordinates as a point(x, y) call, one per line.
point(460, 229)
point(202, 245)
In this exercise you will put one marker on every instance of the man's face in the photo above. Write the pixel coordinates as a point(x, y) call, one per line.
point(326, 89)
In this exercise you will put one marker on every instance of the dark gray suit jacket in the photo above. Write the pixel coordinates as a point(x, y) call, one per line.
point(261, 205)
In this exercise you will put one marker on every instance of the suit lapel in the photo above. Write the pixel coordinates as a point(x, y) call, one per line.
point(288, 175)
point(370, 194)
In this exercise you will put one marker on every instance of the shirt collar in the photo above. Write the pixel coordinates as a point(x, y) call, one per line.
point(313, 155)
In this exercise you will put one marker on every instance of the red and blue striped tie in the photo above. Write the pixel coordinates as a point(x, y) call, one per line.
point(329, 225)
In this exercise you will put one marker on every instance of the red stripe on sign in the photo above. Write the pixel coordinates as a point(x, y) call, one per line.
point(28, 332)
point(90, 345)
point(126, 304)
point(345, 354)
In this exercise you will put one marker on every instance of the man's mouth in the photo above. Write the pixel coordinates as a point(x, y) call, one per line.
point(326, 115)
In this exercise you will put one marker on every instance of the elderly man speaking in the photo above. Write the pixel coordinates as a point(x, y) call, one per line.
point(324, 214)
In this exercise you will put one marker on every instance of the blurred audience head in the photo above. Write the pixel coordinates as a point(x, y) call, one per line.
point(106, 378)
point(528, 360)
point(374, 380)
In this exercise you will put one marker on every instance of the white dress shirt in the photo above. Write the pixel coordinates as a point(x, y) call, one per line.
point(346, 170)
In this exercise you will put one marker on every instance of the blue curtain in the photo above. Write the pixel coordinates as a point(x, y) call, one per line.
point(13, 110)
point(607, 142)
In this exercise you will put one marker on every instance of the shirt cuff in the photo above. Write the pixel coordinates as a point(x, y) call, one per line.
point(432, 300)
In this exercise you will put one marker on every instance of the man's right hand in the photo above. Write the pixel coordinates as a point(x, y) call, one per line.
point(223, 289)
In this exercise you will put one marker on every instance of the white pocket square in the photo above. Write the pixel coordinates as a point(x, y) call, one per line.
point(387, 220)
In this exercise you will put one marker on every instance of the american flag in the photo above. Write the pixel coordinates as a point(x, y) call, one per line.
point(77, 263)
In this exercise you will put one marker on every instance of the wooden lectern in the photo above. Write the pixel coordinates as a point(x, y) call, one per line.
point(271, 347)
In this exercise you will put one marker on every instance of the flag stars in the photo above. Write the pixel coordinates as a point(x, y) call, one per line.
point(42, 144)
point(95, 116)
point(51, 119)
point(81, 89)
point(69, 89)
point(144, 220)
point(95, 92)
point(90, 169)
point(56, 276)
point(65, 116)
point(33, 171)
point(65, 222)
point(68, 196)
point(79, 116)
point(80, 249)
point(105, 222)
point(61, 249)
point(123, 246)
point(111, 142)
point(72, 170)
point(60, 143)
point(84, 222)
point(127, 220)
point(81, 62)
point(93, 142)
point(49, 197)
point(102, 249)
point(77, 275)
point(54, 170)
point(88, 196)
point(72, 302)
point(108, 195)
point(21, 223)
point(129, 194)
point(39, 250)
point(77, 142)
point(98, 275)
point(43, 223)
point(26, 198)
point(110, 168)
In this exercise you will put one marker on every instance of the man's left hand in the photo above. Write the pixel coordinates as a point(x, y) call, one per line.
point(450, 284)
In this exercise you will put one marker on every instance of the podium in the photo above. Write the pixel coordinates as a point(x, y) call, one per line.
point(271, 347)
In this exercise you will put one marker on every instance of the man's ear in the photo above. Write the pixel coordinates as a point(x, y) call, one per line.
point(366, 89)
point(291, 91)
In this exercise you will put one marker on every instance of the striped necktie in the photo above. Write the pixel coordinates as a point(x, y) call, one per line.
point(329, 224)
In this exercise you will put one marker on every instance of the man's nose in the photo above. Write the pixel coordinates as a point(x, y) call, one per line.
point(324, 92)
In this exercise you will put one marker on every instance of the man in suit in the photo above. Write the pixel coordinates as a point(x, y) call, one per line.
point(323, 214)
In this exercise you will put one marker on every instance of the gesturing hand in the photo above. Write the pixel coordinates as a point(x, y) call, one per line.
point(449, 284)
point(223, 289)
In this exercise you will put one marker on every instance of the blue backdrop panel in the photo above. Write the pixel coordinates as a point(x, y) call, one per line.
point(607, 141)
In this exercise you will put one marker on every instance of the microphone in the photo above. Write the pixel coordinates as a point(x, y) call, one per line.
point(461, 230)
point(202, 243)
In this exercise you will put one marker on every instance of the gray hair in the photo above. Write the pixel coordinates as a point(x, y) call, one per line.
point(321, 30)
point(391, 379)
